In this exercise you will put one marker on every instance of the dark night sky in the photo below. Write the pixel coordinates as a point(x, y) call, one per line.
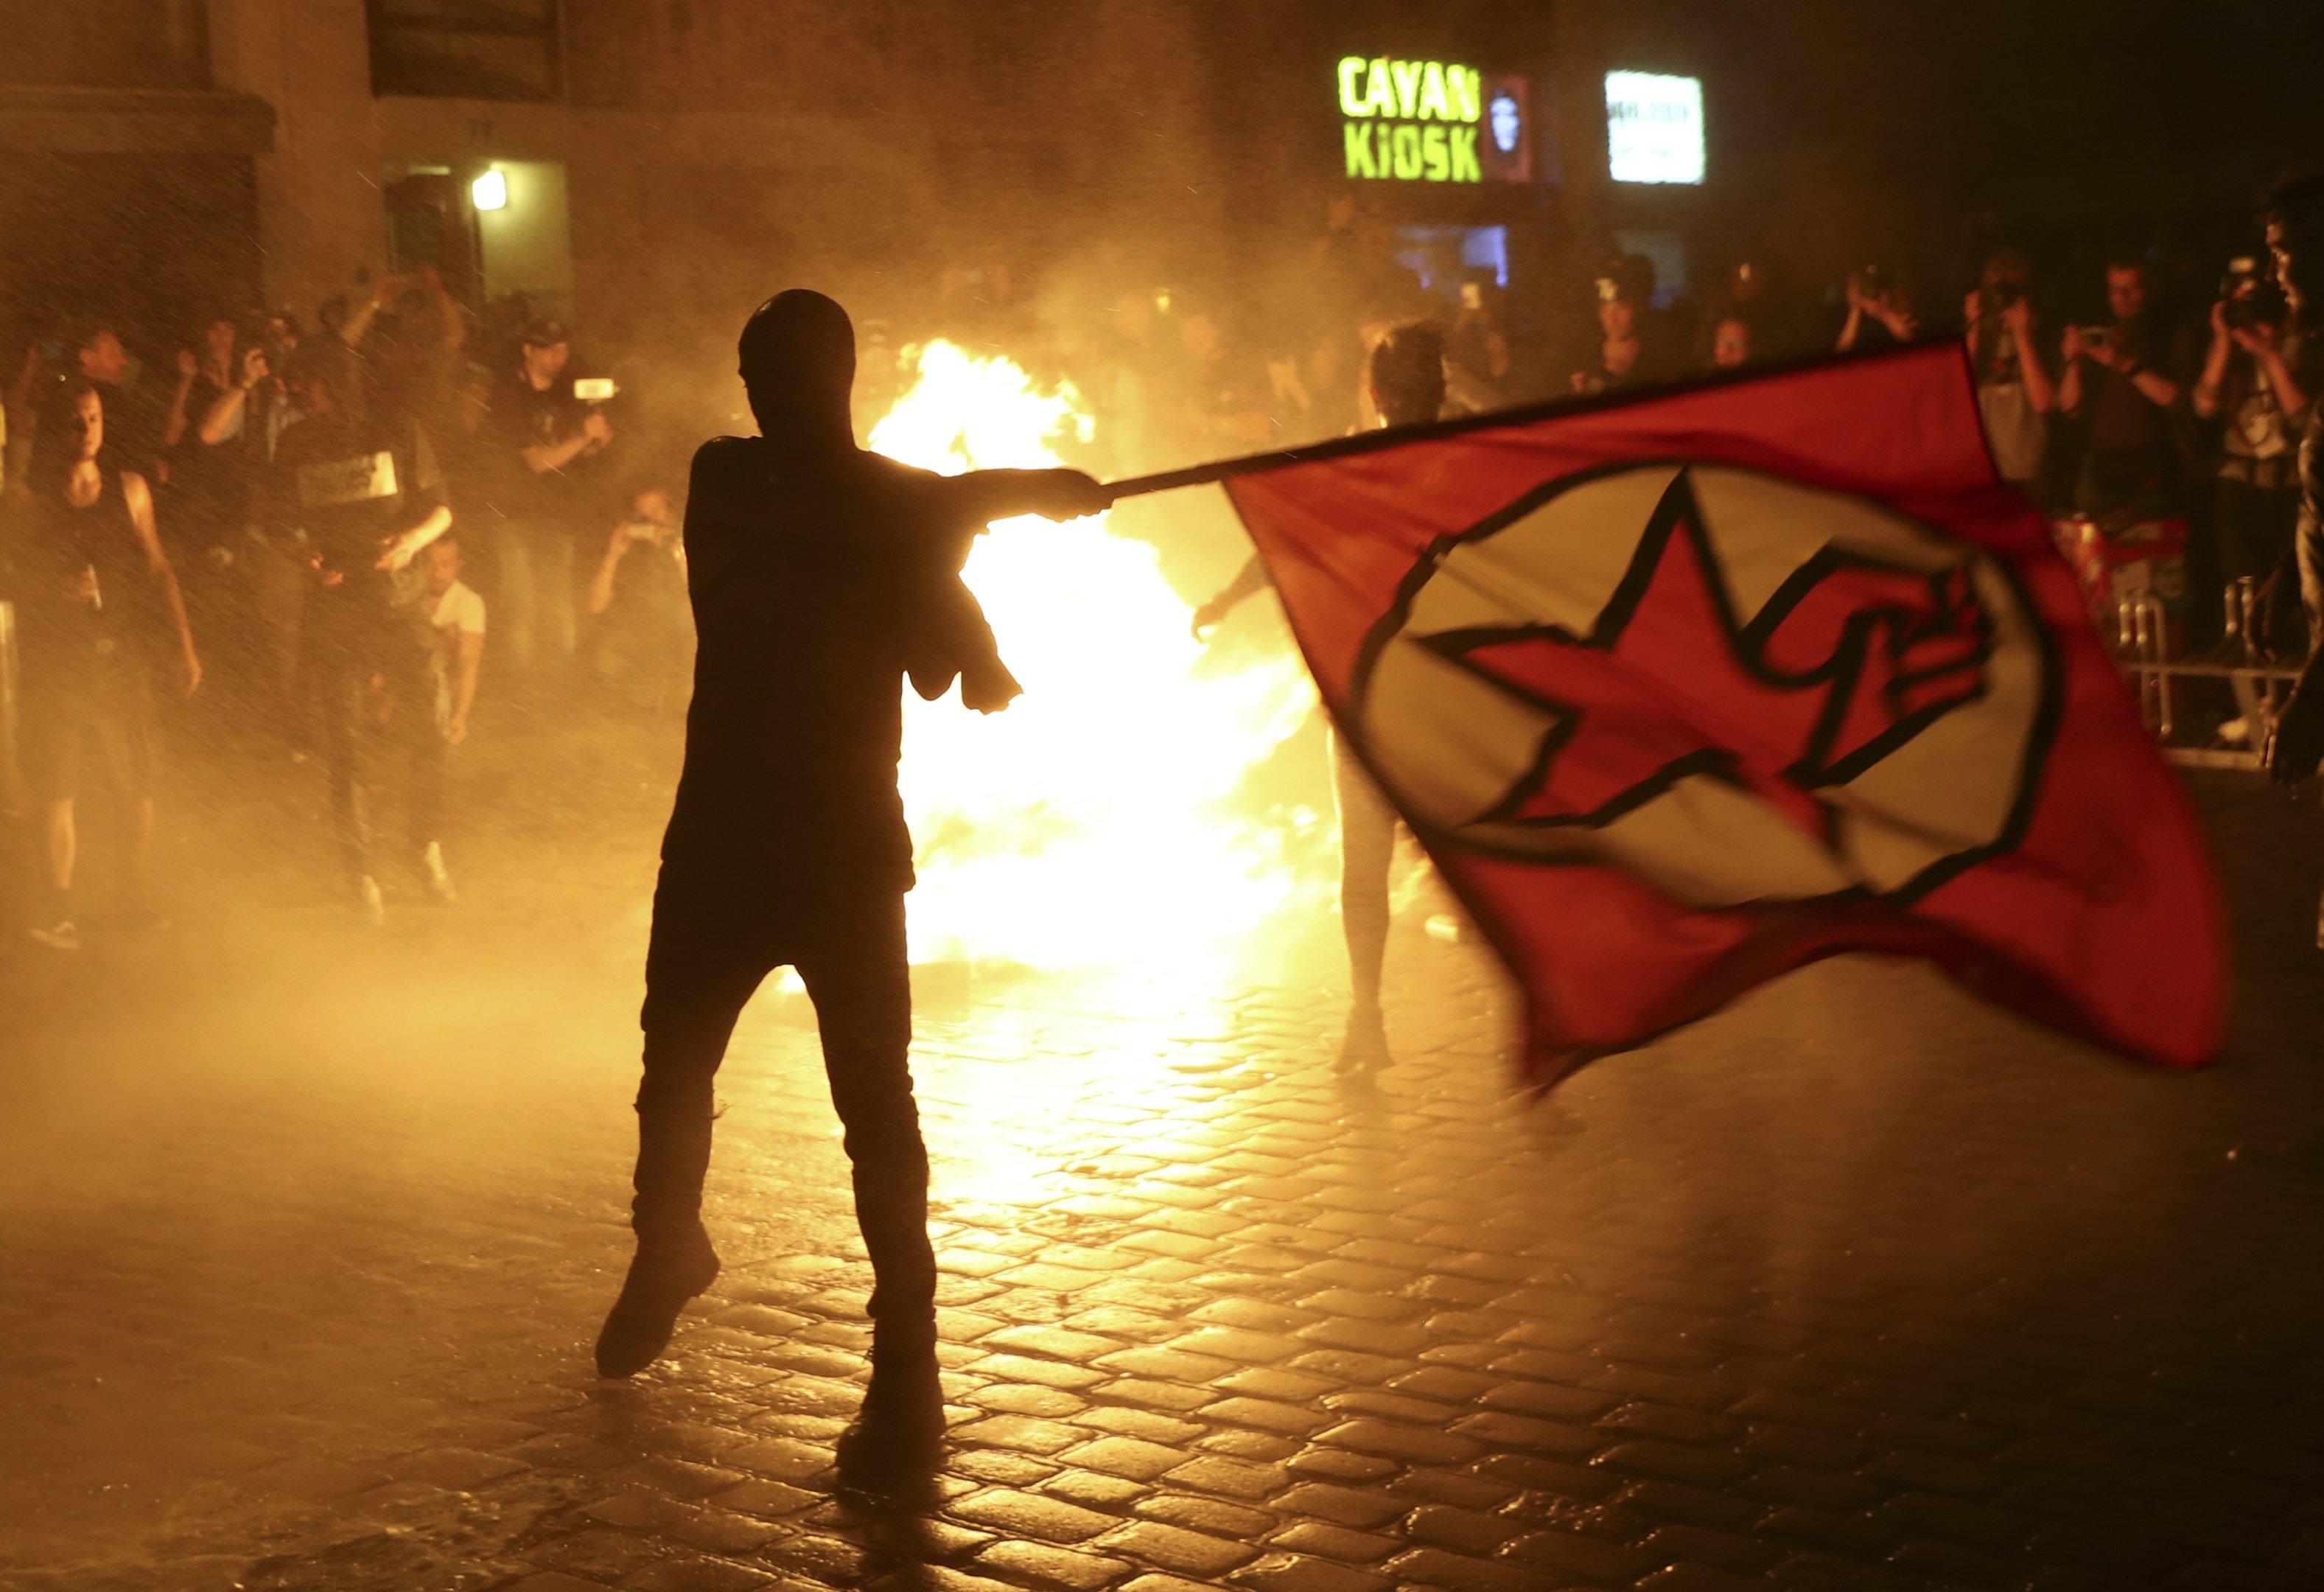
point(1879, 124)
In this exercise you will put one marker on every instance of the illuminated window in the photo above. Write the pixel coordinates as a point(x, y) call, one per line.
point(464, 48)
point(1653, 128)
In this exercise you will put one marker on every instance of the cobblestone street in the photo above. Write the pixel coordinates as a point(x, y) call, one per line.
point(1860, 1285)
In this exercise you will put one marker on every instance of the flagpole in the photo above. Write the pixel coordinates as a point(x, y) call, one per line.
point(1227, 470)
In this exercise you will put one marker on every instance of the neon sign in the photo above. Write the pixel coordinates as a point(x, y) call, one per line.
point(1414, 120)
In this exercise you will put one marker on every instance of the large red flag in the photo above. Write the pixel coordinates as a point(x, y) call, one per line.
point(1684, 691)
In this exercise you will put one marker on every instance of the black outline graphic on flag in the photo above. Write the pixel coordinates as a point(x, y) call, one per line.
point(1945, 779)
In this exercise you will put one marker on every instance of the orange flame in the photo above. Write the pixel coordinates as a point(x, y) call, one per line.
point(1089, 825)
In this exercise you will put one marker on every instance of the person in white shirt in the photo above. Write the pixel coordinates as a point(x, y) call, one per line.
point(454, 617)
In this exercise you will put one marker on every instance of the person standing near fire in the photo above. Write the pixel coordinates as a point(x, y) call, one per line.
point(820, 577)
point(1407, 389)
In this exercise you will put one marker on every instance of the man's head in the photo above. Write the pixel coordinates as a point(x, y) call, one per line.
point(652, 507)
point(546, 347)
point(1627, 287)
point(71, 431)
point(100, 354)
point(1730, 342)
point(796, 356)
point(2126, 288)
point(440, 562)
point(219, 335)
point(84, 421)
point(2293, 215)
point(2007, 274)
point(1407, 373)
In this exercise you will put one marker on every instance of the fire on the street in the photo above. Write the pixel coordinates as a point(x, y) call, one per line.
point(1090, 824)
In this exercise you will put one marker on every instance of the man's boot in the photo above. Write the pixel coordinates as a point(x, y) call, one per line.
point(674, 1261)
point(892, 1446)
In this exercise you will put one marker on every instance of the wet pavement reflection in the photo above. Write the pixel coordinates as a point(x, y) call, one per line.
point(1858, 1285)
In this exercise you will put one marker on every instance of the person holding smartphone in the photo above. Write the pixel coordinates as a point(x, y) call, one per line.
point(2120, 382)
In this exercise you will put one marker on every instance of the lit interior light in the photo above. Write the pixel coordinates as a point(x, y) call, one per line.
point(1653, 128)
point(489, 191)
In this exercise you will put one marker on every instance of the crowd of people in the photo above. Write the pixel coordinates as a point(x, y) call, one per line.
point(355, 531)
point(324, 527)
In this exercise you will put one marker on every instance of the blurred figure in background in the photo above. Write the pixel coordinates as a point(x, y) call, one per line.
point(432, 722)
point(1627, 353)
point(2259, 381)
point(2015, 394)
point(1731, 342)
point(644, 647)
point(1783, 325)
point(206, 432)
point(2120, 383)
point(91, 350)
point(538, 432)
point(2293, 215)
point(100, 609)
point(1477, 361)
point(1218, 395)
point(1879, 312)
point(1406, 382)
point(355, 487)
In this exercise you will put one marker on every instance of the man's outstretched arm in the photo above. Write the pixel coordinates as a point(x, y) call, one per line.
point(982, 496)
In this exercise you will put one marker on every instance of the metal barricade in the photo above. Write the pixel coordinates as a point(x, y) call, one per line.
point(2143, 641)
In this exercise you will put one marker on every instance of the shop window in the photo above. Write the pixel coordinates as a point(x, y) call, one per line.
point(465, 49)
point(1444, 257)
point(105, 43)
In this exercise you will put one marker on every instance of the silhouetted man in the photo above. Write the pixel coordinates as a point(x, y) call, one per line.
point(820, 577)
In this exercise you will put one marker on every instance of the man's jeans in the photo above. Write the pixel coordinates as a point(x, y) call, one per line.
point(712, 944)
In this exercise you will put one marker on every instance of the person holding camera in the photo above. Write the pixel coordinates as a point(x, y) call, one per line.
point(2015, 394)
point(2259, 379)
point(2120, 381)
point(2293, 215)
point(539, 431)
point(1879, 312)
point(644, 646)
